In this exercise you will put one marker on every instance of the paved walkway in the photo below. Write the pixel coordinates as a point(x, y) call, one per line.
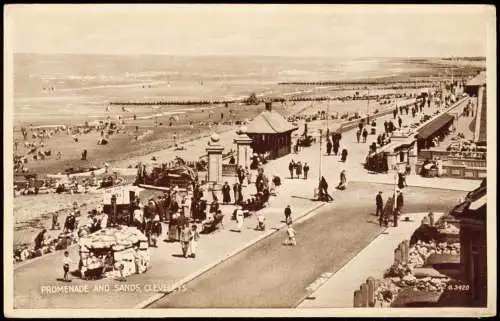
point(167, 268)
point(374, 260)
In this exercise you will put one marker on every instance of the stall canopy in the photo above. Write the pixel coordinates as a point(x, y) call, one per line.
point(435, 125)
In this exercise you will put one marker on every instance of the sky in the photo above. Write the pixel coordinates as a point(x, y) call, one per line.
point(264, 30)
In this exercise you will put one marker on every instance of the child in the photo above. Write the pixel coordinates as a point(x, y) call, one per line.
point(195, 236)
point(66, 263)
point(291, 236)
point(261, 226)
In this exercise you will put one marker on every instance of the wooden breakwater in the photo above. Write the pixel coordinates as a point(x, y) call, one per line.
point(258, 101)
point(376, 81)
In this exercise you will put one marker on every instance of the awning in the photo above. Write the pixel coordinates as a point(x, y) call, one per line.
point(478, 203)
point(435, 125)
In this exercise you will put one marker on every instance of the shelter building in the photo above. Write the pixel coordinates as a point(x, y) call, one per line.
point(271, 133)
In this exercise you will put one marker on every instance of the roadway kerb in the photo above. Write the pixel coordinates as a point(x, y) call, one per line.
point(209, 266)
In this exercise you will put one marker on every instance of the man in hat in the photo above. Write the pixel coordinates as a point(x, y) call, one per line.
point(226, 193)
point(291, 167)
point(306, 170)
point(380, 205)
point(288, 214)
point(399, 202)
point(236, 191)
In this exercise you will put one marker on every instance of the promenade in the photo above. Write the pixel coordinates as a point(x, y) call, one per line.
point(169, 271)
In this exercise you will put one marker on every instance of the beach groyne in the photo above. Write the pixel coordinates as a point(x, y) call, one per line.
point(259, 100)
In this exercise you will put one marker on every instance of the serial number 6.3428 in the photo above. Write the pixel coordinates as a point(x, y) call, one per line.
point(458, 287)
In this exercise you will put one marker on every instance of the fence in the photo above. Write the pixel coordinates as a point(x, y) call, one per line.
point(452, 158)
point(457, 171)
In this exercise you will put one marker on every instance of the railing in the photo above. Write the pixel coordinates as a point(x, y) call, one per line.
point(457, 171)
point(229, 169)
point(451, 158)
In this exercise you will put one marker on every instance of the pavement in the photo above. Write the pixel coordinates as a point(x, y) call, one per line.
point(372, 261)
point(272, 275)
point(169, 271)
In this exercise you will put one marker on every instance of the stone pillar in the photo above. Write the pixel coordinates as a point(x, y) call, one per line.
point(243, 149)
point(412, 160)
point(214, 150)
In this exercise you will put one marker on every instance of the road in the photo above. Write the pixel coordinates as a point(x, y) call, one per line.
point(271, 275)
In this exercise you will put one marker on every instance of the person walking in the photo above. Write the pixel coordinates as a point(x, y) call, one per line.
point(343, 181)
point(239, 218)
point(323, 191)
point(306, 170)
point(291, 167)
point(290, 232)
point(288, 214)
point(156, 230)
point(399, 202)
point(66, 264)
point(400, 122)
point(358, 135)
point(236, 188)
point(193, 244)
point(365, 135)
point(185, 238)
point(298, 169)
point(226, 193)
point(336, 146)
point(380, 205)
point(329, 147)
point(344, 155)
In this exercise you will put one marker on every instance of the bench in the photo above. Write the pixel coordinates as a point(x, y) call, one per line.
point(212, 226)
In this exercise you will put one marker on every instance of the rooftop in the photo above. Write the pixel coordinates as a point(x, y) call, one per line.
point(479, 80)
point(269, 122)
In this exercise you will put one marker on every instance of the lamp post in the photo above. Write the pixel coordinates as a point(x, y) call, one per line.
point(368, 107)
point(320, 149)
point(394, 202)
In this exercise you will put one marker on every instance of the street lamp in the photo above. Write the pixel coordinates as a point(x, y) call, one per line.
point(320, 148)
point(368, 107)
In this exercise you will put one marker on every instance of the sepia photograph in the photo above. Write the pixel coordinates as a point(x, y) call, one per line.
point(249, 160)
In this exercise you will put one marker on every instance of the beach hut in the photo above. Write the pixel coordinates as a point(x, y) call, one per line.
point(271, 133)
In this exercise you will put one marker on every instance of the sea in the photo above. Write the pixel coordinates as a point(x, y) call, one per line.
point(70, 88)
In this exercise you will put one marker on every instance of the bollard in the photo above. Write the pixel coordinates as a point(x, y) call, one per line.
point(357, 299)
point(364, 295)
point(406, 250)
point(397, 256)
point(371, 291)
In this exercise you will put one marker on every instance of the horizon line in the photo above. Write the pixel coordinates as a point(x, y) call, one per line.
point(245, 55)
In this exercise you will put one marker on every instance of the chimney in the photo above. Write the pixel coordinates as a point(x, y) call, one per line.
point(268, 106)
